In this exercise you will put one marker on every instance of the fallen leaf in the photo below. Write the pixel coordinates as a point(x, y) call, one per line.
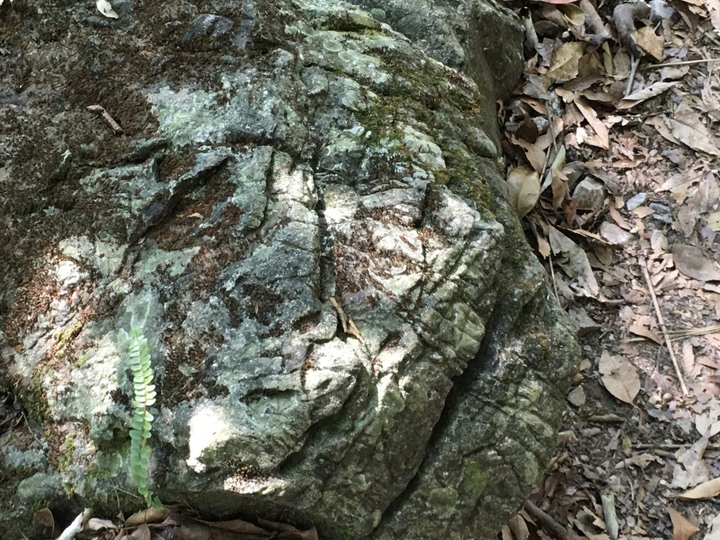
point(695, 136)
point(690, 468)
point(708, 422)
point(706, 490)
point(682, 528)
point(518, 527)
point(692, 262)
point(651, 91)
point(151, 515)
point(649, 41)
point(602, 138)
point(644, 331)
point(574, 262)
point(97, 524)
point(565, 61)
point(524, 189)
point(713, 7)
point(44, 517)
point(619, 377)
point(141, 533)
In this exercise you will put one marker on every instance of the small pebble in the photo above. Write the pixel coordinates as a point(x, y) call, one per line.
point(637, 200)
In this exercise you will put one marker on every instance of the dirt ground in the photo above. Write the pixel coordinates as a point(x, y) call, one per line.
point(615, 126)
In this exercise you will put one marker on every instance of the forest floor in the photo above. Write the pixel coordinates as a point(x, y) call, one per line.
point(616, 148)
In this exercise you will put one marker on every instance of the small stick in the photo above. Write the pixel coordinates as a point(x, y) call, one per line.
point(684, 63)
point(631, 77)
point(670, 446)
point(106, 116)
point(661, 322)
point(546, 521)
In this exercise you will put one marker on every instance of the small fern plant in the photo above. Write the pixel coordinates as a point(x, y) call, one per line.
point(141, 425)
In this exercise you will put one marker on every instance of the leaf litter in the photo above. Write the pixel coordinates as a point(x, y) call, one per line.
point(616, 119)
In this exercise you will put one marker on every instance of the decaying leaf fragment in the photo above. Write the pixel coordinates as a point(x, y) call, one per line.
point(619, 377)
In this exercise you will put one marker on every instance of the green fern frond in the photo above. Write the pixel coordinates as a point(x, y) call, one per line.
point(141, 424)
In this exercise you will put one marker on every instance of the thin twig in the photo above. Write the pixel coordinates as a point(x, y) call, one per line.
point(670, 446)
point(106, 116)
point(661, 323)
point(631, 77)
point(684, 63)
point(546, 521)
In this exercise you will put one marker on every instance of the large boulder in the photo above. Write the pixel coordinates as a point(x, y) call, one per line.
point(304, 213)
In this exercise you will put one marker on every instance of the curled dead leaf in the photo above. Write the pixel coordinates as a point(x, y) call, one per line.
point(524, 189)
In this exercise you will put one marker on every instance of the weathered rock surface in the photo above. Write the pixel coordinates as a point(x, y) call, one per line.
point(305, 214)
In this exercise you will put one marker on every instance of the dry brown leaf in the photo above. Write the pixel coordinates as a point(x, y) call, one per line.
point(649, 41)
point(559, 186)
point(534, 153)
point(518, 527)
point(694, 135)
point(524, 189)
point(690, 468)
point(44, 517)
point(644, 331)
point(682, 528)
point(708, 422)
point(706, 490)
point(692, 262)
point(662, 128)
point(617, 218)
point(619, 377)
point(565, 61)
point(151, 515)
point(574, 262)
point(651, 91)
point(602, 138)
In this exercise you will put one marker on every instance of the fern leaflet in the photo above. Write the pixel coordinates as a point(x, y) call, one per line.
point(141, 424)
